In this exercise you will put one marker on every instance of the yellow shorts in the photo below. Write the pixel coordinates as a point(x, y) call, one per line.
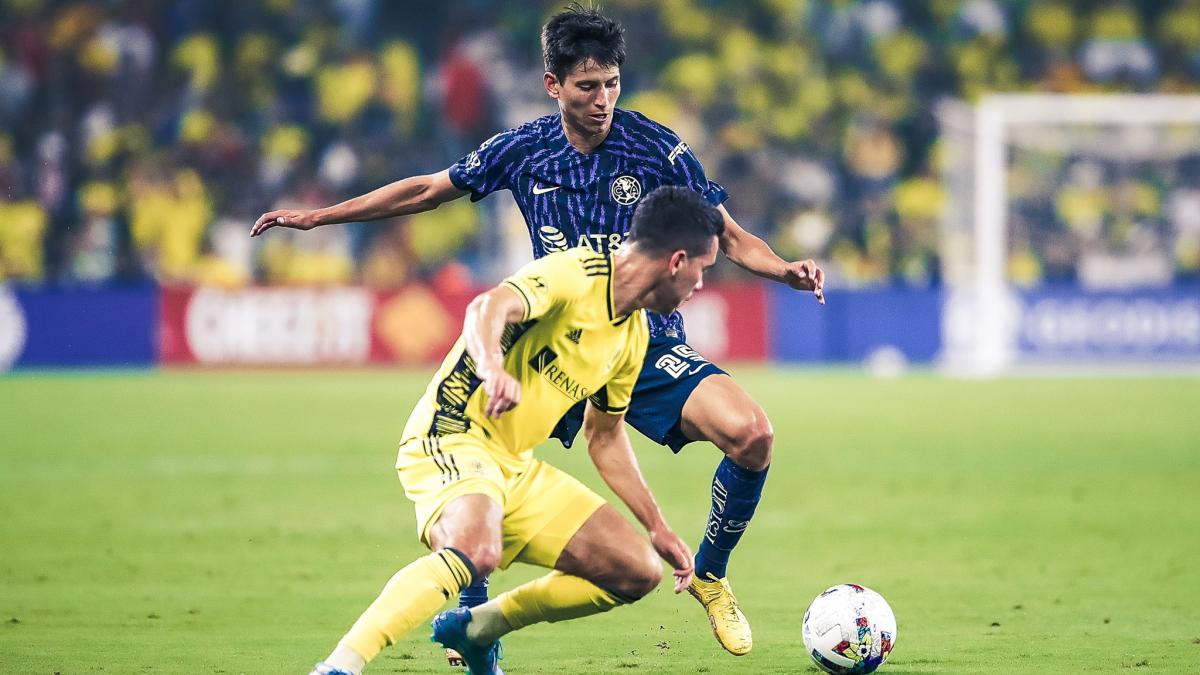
point(543, 506)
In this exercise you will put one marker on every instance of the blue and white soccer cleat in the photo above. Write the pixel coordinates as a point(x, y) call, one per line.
point(323, 668)
point(450, 629)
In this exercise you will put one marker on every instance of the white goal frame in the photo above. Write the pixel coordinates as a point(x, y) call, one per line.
point(984, 299)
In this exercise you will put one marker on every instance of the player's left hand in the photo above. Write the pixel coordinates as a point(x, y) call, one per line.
point(805, 275)
point(291, 218)
point(503, 390)
point(677, 554)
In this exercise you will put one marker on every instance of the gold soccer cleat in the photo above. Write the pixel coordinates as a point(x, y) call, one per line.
point(455, 659)
point(728, 623)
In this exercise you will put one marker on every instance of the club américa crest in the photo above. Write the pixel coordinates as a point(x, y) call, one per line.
point(626, 190)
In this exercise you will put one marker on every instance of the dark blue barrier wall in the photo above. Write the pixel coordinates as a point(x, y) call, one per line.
point(852, 324)
point(100, 327)
point(1063, 323)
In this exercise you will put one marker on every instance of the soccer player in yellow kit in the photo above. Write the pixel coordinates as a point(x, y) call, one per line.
point(567, 327)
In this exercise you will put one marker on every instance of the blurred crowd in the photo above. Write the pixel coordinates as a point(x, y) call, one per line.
point(139, 139)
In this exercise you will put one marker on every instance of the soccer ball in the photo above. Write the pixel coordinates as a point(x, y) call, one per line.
point(849, 629)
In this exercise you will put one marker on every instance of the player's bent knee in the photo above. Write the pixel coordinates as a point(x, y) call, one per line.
point(484, 557)
point(649, 580)
point(642, 578)
point(753, 444)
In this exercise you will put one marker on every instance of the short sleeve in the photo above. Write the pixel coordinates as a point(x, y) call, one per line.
point(686, 170)
point(613, 398)
point(548, 282)
point(490, 167)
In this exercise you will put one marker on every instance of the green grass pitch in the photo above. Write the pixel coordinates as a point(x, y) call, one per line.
point(201, 522)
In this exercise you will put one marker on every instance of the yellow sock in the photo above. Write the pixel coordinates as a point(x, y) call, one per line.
point(412, 595)
point(555, 597)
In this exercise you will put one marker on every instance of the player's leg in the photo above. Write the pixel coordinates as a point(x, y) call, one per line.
point(607, 563)
point(477, 593)
point(472, 596)
point(459, 519)
point(465, 542)
point(721, 412)
point(681, 397)
point(600, 560)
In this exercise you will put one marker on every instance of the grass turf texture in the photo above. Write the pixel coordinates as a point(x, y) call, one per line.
point(238, 523)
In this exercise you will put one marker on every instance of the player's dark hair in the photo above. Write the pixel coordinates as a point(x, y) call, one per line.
point(575, 35)
point(672, 218)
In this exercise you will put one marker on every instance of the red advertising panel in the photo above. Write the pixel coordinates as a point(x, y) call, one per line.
point(728, 322)
point(414, 325)
point(267, 326)
point(172, 340)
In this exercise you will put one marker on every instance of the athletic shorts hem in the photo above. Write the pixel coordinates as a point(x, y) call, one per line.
point(546, 546)
point(462, 488)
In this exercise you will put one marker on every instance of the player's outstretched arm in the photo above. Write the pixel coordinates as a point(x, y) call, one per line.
point(753, 254)
point(610, 450)
point(406, 196)
point(487, 315)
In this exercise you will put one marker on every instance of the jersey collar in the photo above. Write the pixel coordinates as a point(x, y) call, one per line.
point(612, 317)
point(563, 157)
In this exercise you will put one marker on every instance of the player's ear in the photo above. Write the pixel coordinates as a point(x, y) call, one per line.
point(551, 83)
point(676, 262)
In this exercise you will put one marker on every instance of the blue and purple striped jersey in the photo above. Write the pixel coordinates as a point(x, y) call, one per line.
point(571, 199)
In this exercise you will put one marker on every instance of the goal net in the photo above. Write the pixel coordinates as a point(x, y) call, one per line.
point(1071, 235)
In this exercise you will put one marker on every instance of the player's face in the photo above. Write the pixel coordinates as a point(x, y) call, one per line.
point(685, 276)
point(587, 96)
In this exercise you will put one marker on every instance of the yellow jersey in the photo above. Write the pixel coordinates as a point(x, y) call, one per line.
point(569, 346)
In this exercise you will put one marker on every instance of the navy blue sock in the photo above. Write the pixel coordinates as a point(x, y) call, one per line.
point(474, 595)
point(735, 494)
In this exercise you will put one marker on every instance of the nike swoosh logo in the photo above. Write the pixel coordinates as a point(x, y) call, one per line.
point(541, 190)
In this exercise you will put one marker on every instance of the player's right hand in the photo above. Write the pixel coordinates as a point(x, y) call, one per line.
point(502, 389)
point(677, 554)
point(296, 220)
point(806, 275)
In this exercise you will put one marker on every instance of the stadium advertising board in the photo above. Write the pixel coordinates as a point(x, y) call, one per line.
point(728, 322)
point(414, 325)
point(266, 326)
point(79, 327)
point(12, 329)
point(417, 325)
point(1065, 324)
point(308, 326)
point(855, 325)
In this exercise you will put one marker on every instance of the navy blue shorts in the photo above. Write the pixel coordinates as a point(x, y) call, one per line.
point(669, 374)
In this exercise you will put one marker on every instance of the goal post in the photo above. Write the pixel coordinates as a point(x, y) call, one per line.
point(1125, 138)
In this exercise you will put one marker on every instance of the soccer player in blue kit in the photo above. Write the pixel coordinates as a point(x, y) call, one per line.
point(577, 177)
